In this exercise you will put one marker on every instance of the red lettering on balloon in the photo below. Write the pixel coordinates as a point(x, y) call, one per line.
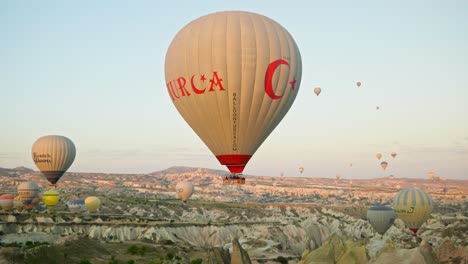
point(170, 89)
point(215, 81)
point(194, 88)
point(177, 89)
point(181, 81)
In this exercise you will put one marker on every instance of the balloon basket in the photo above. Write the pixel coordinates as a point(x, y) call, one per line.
point(234, 180)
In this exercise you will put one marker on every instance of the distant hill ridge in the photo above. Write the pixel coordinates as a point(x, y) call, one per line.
point(15, 172)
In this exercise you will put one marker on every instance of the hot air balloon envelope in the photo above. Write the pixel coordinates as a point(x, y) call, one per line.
point(53, 155)
point(233, 76)
point(413, 206)
point(184, 190)
point(381, 218)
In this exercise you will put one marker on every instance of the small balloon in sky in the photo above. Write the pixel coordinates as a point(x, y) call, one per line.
point(317, 91)
point(358, 84)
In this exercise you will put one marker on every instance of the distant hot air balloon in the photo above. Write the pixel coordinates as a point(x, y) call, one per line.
point(384, 165)
point(430, 175)
point(28, 191)
point(378, 155)
point(92, 203)
point(76, 205)
point(444, 179)
point(6, 202)
point(53, 155)
point(18, 203)
point(282, 174)
point(317, 91)
point(381, 218)
point(50, 198)
point(413, 206)
point(393, 154)
point(184, 190)
point(338, 176)
point(233, 76)
point(301, 170)
point(358, 84)
point(398, 187)
point(377, 107)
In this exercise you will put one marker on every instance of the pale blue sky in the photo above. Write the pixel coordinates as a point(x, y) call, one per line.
point(94, 71)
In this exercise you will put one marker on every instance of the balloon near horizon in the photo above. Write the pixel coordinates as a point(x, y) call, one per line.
point(53, 155)
point(233, 76)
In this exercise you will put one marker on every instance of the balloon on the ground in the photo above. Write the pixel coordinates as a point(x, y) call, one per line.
point(233, 76)
point(381, 218)
point(413, 206)
point(53, 155)
point(92, 203)
point(50, 198)
point(184, 190)
point(76, 205)
point(6, 202)
point(317, 91)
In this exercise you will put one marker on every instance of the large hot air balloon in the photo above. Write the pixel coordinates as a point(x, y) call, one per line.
point(76, 205)
point(18, 203)
point(317, 90)
point(413, 206)
point(53, 155)
point(6, 202)
point(184, 190)
point(378, 155)
point(384, 165)
point(358, 84)
point(393, 154)
point(301, 169)
point(381, 218)
point(50, 198)
point(92, 203)
point(233, 77)
point(28, 191)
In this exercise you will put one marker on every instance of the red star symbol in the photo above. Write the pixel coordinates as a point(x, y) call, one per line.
point(293, 83)
point(202, 78)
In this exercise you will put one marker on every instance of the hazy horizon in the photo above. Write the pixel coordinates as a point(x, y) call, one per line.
point(94, 72)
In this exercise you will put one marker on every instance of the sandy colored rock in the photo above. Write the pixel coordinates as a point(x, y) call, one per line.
point(239, 255)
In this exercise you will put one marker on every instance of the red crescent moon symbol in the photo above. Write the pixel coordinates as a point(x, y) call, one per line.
point(269, 76)
point(197, 91)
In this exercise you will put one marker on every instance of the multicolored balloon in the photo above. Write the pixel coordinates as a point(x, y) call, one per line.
point(233, 76)
point(28, 191)
point(6, 202)
point(76, 205)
